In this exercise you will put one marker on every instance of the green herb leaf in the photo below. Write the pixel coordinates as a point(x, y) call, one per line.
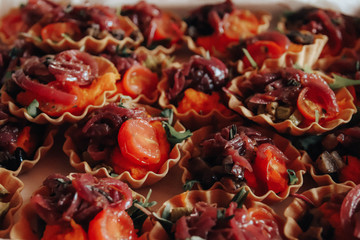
point(292, 177)
point(14, 52)
point(251, 60)
point(240, 197)
point(343, 82)
point(136, 214)
point(233, 131)
point(189, 185)
point(164, 219)
point(174, 136)
point(33, 108)
point(306, 68)
point(169, 114)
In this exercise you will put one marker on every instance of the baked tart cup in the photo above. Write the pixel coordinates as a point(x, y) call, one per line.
point(162, 30)
point(266, 112)
point(104, 160)
point(237, 24)
point(183, 204)
point(79, 99)
point(333, 157)
point(32, 226)
point(88, 43)
point(10, 199)
point(26, 147)
point(196, 101)
point(140, 73)
point(210, 161)
point(310, 213)
point(304, 56)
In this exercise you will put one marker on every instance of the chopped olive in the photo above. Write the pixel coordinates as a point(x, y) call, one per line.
point(302, 38)
point(283, 113)
point(296, 117)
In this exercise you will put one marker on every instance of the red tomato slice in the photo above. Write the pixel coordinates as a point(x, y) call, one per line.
point(12, 24)
point(261, 50)
point(111, 224)
point(240, 24)
point(139, 80)
point(56, 31)
point(270, 168)
point(311, 101)
point(166, 28)
point(122, 164)
point(138, 142)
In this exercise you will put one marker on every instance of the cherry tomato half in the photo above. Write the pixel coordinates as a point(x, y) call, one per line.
point(261, 50)
point(57, 31)
point(138, 142)
point(111, 224)
point(270, 168)
point(240, 24)
point(139, 80)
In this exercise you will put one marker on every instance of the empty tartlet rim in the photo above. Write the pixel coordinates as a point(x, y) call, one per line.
point(154, 230)
point(191, 149)
point(88, 43)
point(14, 186)
point(192, 119)
point(307, 57)
point(43, 118)
point(298, 207)
point(40, 152)
point(24, 227)
point(263, 17)
point(69, 148)
point(287, 126)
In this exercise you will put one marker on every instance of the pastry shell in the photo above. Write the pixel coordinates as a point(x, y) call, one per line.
point(106, 68)
point(150, 178)
point(343, 97)
point(192, 120)
point(298, 207)
point(307, 57)
point(191, 149)
point(14, 186)
point(264, 20)
point(87, 43)
point(188, 199)
point(27, 227)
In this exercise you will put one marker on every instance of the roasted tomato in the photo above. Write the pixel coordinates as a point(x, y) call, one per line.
point(270, 168)
point(58, 31)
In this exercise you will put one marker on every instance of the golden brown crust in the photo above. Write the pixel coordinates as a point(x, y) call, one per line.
point(191, 149)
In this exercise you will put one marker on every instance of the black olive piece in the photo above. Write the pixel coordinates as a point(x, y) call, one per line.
point(16, 160)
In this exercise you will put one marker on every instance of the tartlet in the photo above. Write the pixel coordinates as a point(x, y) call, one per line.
point(298, 85)
point(135, 175)
point(188, 200)
point(20, 91)
point(214, 28)
point(31, 224)
point(298, 211)
point(192, 150)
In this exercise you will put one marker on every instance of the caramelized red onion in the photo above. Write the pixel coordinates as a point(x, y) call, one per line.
point(74, 66)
